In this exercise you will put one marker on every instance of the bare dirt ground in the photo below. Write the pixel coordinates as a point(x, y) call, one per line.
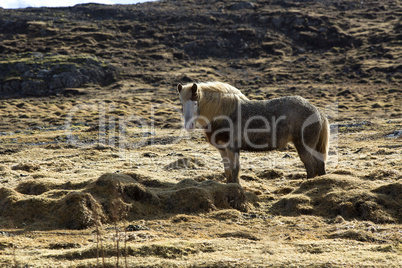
point(105, 176)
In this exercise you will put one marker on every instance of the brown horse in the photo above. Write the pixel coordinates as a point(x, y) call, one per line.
point(232, 122)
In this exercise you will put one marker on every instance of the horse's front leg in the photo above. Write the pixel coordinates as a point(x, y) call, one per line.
point(226, 164)
point(231, 164)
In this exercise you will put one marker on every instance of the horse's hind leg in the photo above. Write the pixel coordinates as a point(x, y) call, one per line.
point(309, 164)
point(320, 167)
point(308, 160)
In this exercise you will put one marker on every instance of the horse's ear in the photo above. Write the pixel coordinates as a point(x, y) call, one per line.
point(194, 91)
point(179, 88)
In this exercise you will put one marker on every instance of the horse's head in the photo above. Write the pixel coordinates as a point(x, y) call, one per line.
point(189, 100)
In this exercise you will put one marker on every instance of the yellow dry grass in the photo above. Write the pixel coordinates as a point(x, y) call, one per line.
point(53, 178)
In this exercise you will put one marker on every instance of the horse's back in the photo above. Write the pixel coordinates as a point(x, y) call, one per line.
point(292, 107)
point(283, 119)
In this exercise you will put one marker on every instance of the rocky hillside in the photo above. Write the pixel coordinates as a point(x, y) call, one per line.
point(254, 43)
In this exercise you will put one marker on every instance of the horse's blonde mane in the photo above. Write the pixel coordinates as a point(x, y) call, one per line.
point(215, 99)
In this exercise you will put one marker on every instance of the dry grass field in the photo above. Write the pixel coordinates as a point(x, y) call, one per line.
point(168, 186)
point(103, 175)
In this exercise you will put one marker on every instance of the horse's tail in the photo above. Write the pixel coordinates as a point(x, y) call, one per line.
point(323, 140)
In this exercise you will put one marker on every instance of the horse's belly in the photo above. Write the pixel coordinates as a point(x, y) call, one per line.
point(260, 144)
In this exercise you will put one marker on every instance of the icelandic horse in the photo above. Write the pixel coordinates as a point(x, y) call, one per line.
point(232, 122)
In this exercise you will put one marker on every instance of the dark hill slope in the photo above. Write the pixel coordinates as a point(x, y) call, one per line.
point(246, 43)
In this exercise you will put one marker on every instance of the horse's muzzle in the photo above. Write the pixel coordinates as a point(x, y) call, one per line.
point(190, 126)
